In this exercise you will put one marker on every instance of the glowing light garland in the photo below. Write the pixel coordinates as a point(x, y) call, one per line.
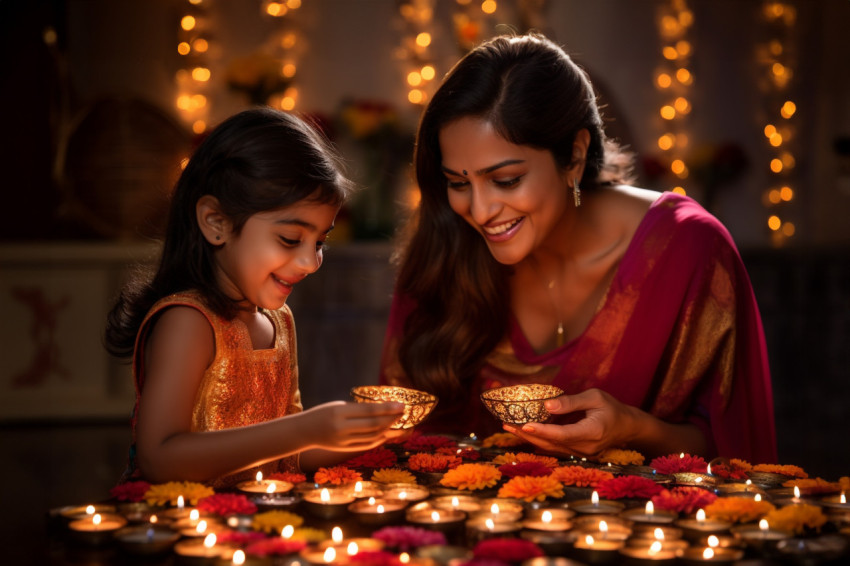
point(193, 78)
point(415, 50)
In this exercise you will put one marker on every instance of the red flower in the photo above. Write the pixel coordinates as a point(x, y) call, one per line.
point(239, 538)
point(729, 471)
point(677, 463)
point(379, 457)
point(275, 546)
point(405, 539)
point(227, 504)
point(533, 469)
point(130, 491)
point(506, 550)
point(628, 486)
point(291, 477)
point(468, 454)
point(375, 558)
point(428, 443)
point(684, 499)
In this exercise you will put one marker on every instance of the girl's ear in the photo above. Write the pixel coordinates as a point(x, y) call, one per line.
point(213, 223)
point(580, 145)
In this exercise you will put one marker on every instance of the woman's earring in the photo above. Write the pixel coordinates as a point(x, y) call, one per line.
point(576, 193)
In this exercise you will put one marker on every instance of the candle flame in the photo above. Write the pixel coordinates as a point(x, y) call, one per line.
point(435, 516)
point(271, 488)
point(402, 495)
point(589, 540)
point(594, 498)
point(194, 514)
point(650, 508)
point(287, 531)
point(358, 487)
point(654, 548)
point(239, 557)
point(764, 525)
point(330, 555)
point(90, 510)
point(708, 469)
point(748, 482)
point(842, 498)
point(796, 492)
point(603, 527)
point(154, 519)
point(681, 454)
point(494, 509)
point(371, 501)
point(209, 540)
point(352, 548)
point(757, 497)
point(180, 502)
point(404, 558)
point(455, 502)
point(701, 515)
point(380, 508)
point(659, 533)
point(708, 554)
point(96, 519)
point(202, 527)
point(546, 517)
point(490, 524)
point(713, 541)
point(336, 535)
point(325, 495)
point(259, 477)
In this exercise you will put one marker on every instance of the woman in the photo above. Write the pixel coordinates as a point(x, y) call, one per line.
point(530, 261)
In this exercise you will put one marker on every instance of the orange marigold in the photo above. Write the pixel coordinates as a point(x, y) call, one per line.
point(810, 486)
point(393, 475)
point(167, 493)
point(472, 476)
point(510, 458)
point(741, 464)
point(738, 509)
point(530, 488)
point(502, 440)
point(784, 470)
point(337, 475)
point(621, 457)
point(796, 518)
point(579, 476)
point(422, 462)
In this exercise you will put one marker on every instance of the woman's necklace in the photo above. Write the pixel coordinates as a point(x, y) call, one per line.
point(550, 289)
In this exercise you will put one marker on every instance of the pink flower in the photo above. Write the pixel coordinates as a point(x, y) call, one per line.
point(375, 558)
point(678, 463)
point(227, 504)
point(506, 549)
point(628, 486)
point(130, 491)
point(405, 538)
point(534, 469)
point(275, 546)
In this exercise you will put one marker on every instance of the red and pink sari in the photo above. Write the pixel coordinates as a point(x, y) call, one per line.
point(678, 335)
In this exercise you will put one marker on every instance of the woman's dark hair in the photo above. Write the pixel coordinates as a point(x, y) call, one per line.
point(258, 160)
point(533, 94)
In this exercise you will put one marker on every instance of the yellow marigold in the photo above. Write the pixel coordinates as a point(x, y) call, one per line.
point(272, 522)
point(393, 475)
point(741, 464)
point(309, 534)
point(167, 493)
point(738, 509)
point(472, 476)
point(422, 462)
point(510, 458)
point(338, 475)
point(796, 518)
point(502, 440)
point(811, 486)
point(621, 457)
point(579, 476)
point(530, 488)
point(786, 470)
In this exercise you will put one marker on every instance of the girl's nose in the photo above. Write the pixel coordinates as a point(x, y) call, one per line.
point(310, 260)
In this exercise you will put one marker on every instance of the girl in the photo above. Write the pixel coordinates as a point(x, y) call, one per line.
point(531, 260)
point(210, 335)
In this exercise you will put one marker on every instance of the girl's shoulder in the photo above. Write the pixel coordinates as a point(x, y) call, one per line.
point(190, 298)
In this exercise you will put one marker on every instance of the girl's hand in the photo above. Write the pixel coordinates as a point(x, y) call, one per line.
point(607, 423)
point(351, 427)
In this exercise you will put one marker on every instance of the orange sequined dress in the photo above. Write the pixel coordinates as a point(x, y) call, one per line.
point(242, 386)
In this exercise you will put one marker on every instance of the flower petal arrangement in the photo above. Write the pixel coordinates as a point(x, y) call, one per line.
point(580, 476)
point(337, 475)
point(292, 477)
point(379, 457)
point(532, 489)
point(679, 463)
point(133, 491)
point(167, 493)
point(471, 477)
point(273, 522)
point(428, 443)
point(422, 462)
point(738, 509)
point(796, 518)
point(814, 486)
point(406, 538)
point(506, 550)
point(502, 440)
point(223, 504)
point(628, 487)
point(524, 469)
point(782, 470)
point(683, 499)
point(274, 546)
point(393, 475)
point(621, 457)
point(516, 458)
point(733, 470)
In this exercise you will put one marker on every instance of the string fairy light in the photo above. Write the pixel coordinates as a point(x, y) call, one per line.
point(674, 79)
point(415, 51)
point(776, 58)
point(469, 20)
point(194, 76)
point(285, 46)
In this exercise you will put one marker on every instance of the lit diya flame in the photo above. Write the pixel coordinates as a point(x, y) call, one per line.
point(658, 533)
point(329, 555)
point(455, 502)
point(402, 495)
point(90, 510)
point(708, 553)
point(594, 498)
point(96, 519)
point(490, 524)
point(764, 526)
point(209, 540)
point(380, 509)
point(259, 477)
point(650, 508)
point(336, 535)
point(180, 502)
point(358, 488)
point(194, 515)
point(842, 498)
point(404, 558)
point(701, 516)
point(272, 487)
point(654, 548)
point(757, 497)
point(796, 492)
point(287, 531)
point(202, 527)
point(713, 541)
point(352, 548)
point(154, 519)
point(589, 540)
point(603, 527)
point(239, 557)
point(325, 496)
point(435, 516)
point(494, 509)
point(371, 501)
point(546, 517)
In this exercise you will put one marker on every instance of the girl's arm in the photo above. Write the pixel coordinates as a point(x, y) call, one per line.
point(180, 347)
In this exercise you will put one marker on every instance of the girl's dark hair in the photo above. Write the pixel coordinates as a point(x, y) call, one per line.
point(533, 94)
point(258, 160)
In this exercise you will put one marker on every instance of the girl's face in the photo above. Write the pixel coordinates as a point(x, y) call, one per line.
point(513, 195)
point(275, 250)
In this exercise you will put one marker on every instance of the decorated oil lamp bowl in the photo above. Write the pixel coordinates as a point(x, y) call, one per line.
point(96, 529)
point(484, 527)
point(552, 520)
point(200, 551)
point(264, 486)
point(653, 552)
point(694, 479)
point(701, 526)
point(327, 503)
point(592, 550)
point(761, 535)
point(72, 513)
point(146, 540)
point(366, 489)
point(466, 503)
point(377, 512)
point(407, 492)
point(444, 520)
point(596, 506)
point(698, 555)
point(520, 404)
point(649, 514)
point(417, 404)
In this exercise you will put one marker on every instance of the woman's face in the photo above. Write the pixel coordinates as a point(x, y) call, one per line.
point(513, 195)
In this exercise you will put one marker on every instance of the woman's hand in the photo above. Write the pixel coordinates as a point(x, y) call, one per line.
point(606, 423)
point(350, 427)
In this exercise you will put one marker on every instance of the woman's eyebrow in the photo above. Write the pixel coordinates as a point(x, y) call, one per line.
point(486, 169)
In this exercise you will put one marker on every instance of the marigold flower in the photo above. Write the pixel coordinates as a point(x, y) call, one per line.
point(502, 440)
point(130, 491)
point(531, 489)
point(428, 443)
point(275, 546)
point(337, 475)
point(469, 454)
point(223, 504)
point(273, 522)
point(738, 509)
point(309, 535)
point(797, 518)
point(783, 470)
point(405, 539)
point(678, 463)
point(506, 550)
point(524, 469)
point(621, 457)
point(511, 458)
point(734, 470)
point(423, 462)
point(291, 477)
point(628, 486)
point(471, 476)
point(167, 493)
point(580, 476)
point(683, 499)
point(812, 486)
point(379, 457)
point(393, 475)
